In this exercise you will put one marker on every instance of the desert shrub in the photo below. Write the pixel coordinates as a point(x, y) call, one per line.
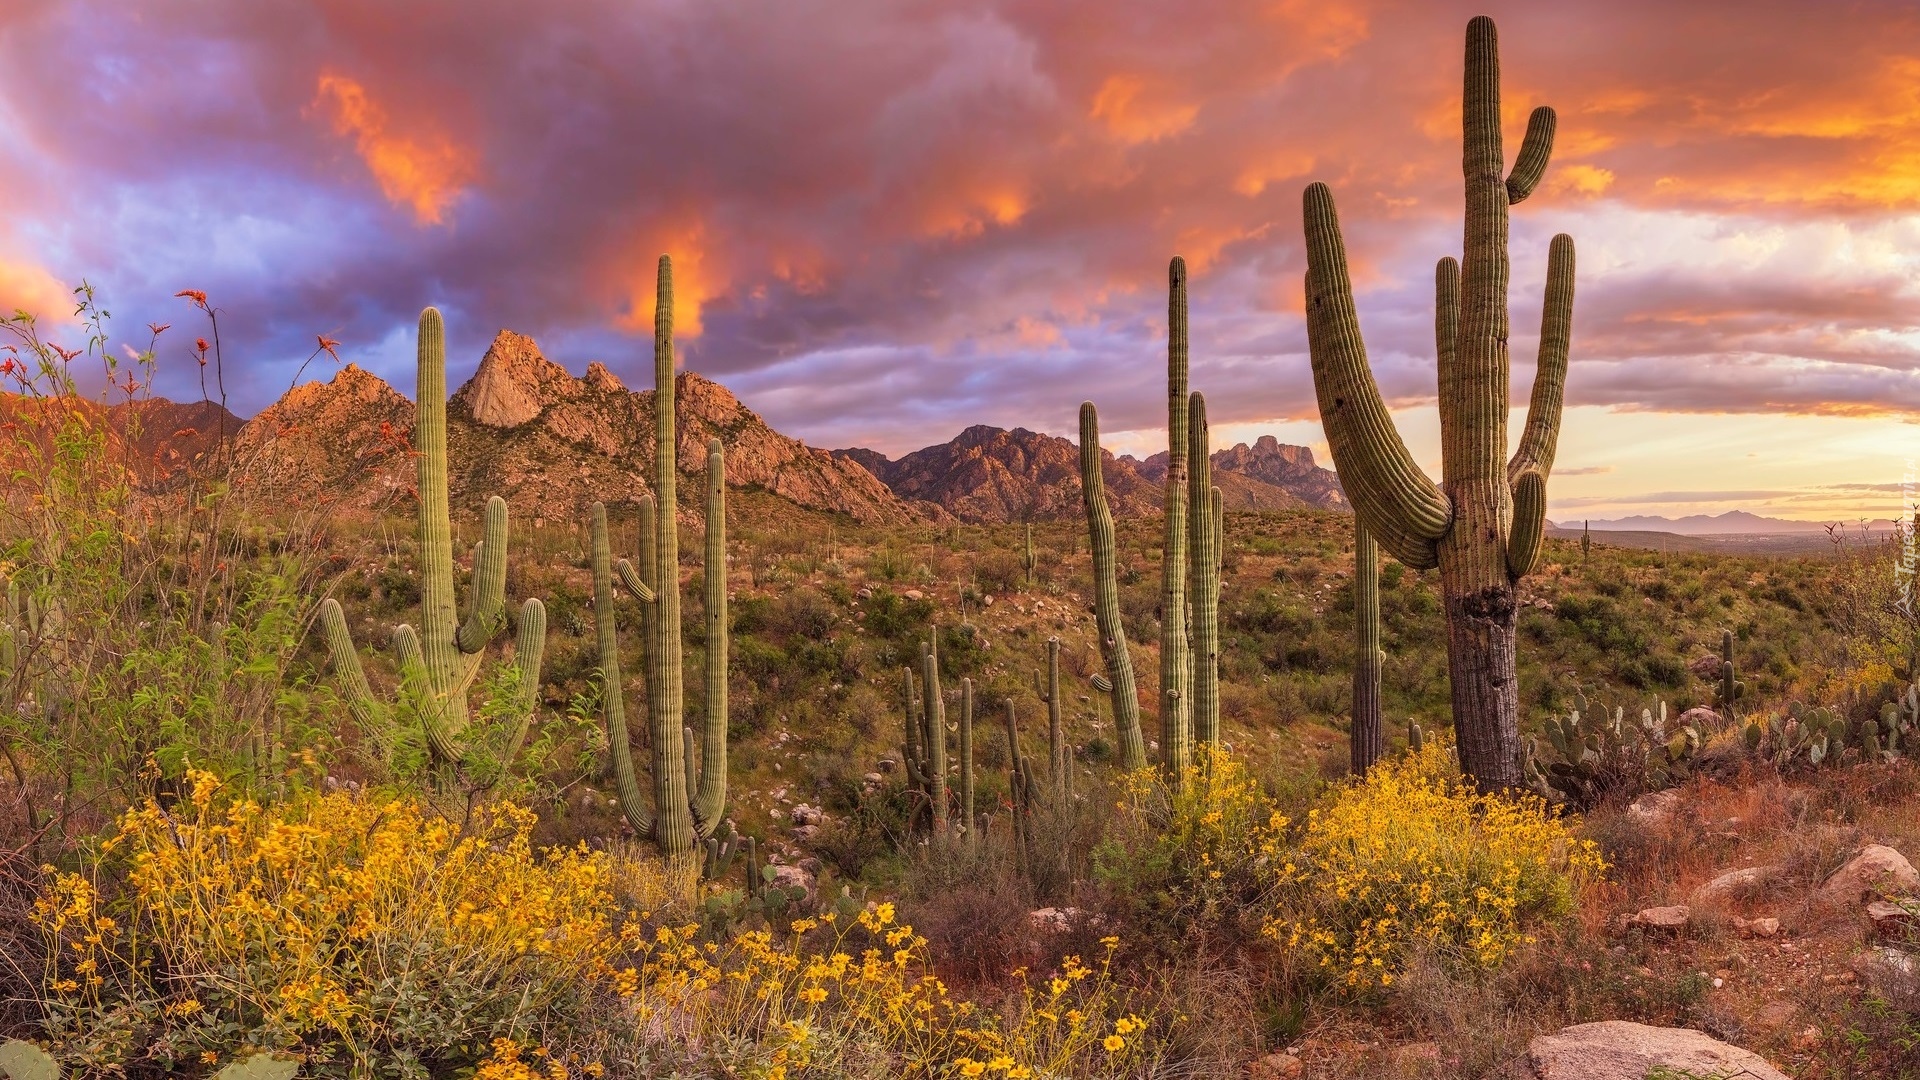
point(1413, 855)
point(1196, 855)
point(849, 995)
point(355, 930)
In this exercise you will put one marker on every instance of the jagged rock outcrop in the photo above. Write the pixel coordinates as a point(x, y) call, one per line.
point(1269, 462)
point(550, 443)
point(346, 440)
point(990, 474)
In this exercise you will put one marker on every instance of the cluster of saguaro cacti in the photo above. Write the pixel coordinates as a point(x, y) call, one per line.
point(20, 1060)
point(439, 661)
point(689, 796)
point(1730, 689)
point(1366, 739)
point(1483, 524)
point(1190, 567)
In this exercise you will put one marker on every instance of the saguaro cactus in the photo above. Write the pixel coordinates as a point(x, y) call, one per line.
point(1204, 564)
point(1482, 524)
point(935, 715)
point(966, 756)
point(1731, 689)
point(1058, 759)
point(1586, 542)
point(1367, 739)
point(1106, 595)
point(689, 800)
point(440, 661)
point(1176, 662)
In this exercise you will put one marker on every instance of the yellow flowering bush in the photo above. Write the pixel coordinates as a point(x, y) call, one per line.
point(352, 929)
point(853, 996)
point(1414, 856)
point(1203, 848)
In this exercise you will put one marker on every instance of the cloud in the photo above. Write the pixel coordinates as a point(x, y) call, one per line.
point(889, 221)
point(426, 173)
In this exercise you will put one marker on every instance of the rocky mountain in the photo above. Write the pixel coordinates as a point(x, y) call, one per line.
point(990, 474)
point(1268, 462)
point(157, 439)
point(549, 443)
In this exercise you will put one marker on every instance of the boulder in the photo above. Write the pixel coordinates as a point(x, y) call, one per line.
point(1277, 1066)
point(1877, 870)
point(1764, 927)
point(1734, 885)
point(1654, 808)
point(791, 877)
point(1622, 1050)
point(1894, 919)
point(1890, 973)
point(1670, 919)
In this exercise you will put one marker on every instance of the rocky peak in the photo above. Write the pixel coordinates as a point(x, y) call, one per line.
point(514, 383)
point(599, 378)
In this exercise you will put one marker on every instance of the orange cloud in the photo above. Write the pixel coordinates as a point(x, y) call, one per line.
point(1135, 113)
point(696, 280)
point(31, 288)
point(425, 173)
point(969, 216)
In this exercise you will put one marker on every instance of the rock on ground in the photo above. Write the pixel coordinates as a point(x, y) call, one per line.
point(1877, 871)
point(1622, 1050)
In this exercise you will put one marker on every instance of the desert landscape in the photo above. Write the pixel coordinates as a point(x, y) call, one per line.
point(442, 705)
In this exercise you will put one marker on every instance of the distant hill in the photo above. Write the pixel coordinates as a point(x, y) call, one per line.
point(990, 474)
point(1731, 523)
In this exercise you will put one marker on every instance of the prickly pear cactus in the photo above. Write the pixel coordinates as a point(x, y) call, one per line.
point(25, 1061)
point(260, 1067)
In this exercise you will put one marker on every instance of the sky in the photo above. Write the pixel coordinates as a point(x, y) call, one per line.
point(892, 220)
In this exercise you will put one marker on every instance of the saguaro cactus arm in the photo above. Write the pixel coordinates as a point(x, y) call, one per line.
point(1106, 595)
point(1402, 507)
point(1535, 148)
point(346, 662)
point(1533, 461)
point(633, 801)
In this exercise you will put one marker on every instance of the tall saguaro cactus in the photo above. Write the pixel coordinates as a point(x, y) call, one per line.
point(689, 799)
point(1204, 564)
point(1106, 595)
point(441, 659)
point(1176, 665)
point(935, 715)
point(1482, 525)
point(1366, 738)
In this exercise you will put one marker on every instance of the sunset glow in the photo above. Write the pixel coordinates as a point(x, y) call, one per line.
point(975, 206)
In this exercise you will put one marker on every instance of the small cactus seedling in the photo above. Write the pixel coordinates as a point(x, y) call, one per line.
point(1730, 688)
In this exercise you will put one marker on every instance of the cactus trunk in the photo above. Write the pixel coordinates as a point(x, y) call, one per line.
point(1176, 664)
point(1482, 526)
point(1204, 564)
point(1057, 761)
point(935, 715)
point(1366, 736)
point(966, 757)
point(1106, 595)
